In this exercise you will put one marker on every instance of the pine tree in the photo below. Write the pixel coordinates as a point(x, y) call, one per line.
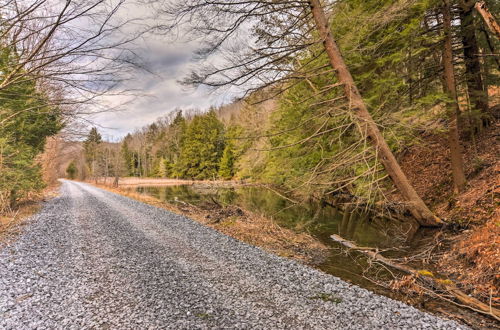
point(22, 133)
point(92, 151)
point(226, 168)
point(164, 168)
point(71, 170)
point(202, 147)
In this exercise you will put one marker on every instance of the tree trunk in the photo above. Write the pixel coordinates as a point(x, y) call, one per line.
point(115, 181)
point(12, 198)
point(457, 167)
point(488, 18)
point(416, 205)
point(477, 91)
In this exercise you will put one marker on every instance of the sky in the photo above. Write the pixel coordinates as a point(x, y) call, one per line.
point(161, 92)
point(168, 59)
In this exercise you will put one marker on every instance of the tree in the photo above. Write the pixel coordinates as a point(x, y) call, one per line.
point(53, 50)
point(127, 155)
point(49, 68)
point(164, 168)
point(226, 167)
point(454, 110)
point(71, 170)
point(282, 32)
point(475, 82)
point(23, 136)
point(489, 19)
point(202, 148)
point(92, 151)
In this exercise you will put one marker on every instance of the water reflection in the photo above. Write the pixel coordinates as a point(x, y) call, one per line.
point(319, 219)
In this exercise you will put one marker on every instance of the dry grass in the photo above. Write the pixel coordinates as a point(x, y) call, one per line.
point(11, 221)
point(244, 226)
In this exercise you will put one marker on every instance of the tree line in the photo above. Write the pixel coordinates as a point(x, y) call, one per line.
point(197, 147)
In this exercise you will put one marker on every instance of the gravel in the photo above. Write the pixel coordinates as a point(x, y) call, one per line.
point(94, 259)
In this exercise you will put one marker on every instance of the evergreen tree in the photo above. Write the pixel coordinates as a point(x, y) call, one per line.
point(202, 147)
point(127, 156)
point(22, 133)
point(226, 169)
point(164, 168)
point(92, 151)
point(71, 170)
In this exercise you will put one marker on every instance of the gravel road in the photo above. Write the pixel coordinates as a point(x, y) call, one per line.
point(91, 259)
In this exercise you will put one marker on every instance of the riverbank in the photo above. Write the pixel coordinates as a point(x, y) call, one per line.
point(152, 182)
point(233, 221)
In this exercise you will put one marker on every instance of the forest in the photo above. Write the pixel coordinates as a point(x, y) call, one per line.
point(389, 106)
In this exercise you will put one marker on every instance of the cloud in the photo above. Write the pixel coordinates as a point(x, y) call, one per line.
point(167, 60)
point(167, 63)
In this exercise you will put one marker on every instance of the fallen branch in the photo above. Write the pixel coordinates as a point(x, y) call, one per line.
point(428, 279)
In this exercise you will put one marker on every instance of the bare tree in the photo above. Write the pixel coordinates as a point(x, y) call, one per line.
point(75, 51)
point(263, 43)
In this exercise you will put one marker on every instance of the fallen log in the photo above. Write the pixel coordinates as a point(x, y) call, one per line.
point(425, 277)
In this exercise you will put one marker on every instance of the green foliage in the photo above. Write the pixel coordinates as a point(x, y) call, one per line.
point(202, 147)
point(93, 155)
point(26, 121)
point(165, 168)
point(91, 145)
point(314, 144)
point(226, 169)
point(71, 171)
point(128, 156)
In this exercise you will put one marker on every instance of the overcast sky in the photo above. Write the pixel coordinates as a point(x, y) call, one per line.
point(169, 62)
point(168, 58)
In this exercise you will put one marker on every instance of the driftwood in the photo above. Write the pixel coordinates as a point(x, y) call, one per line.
point(445, 285)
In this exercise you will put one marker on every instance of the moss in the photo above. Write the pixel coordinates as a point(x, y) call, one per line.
point(425, 272)
point(204, 315)
point(446, 282)
point(327, 297)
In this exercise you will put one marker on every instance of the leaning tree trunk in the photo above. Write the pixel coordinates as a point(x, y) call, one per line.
point(416, 205)
point(477, 91)
point(457, 166)
point(489, 19)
